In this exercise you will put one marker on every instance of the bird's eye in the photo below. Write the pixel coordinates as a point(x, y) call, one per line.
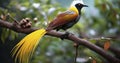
point(79, 4)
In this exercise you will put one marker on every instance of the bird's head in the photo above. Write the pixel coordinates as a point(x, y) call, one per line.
point(77, 5)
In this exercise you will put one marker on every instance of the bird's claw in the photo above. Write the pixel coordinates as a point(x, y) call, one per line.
point(65, 36)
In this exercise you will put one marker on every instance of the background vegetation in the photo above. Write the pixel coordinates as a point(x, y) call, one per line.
point(100, 20)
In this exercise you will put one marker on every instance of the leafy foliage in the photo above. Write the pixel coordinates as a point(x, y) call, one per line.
point(100, 19)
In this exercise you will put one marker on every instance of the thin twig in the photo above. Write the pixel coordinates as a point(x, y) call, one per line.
point(76, 52)
point(13, 18)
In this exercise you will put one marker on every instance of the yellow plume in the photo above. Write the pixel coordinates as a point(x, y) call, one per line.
point(23, 51)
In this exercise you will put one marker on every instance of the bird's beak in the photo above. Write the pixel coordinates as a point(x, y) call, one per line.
point(85, 5)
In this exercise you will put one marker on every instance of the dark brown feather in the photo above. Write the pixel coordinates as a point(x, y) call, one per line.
point(62, 19)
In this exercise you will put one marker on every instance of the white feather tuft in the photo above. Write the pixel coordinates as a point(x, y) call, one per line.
point(77, 1)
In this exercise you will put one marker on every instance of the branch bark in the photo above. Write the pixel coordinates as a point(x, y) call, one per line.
point(114, 50)
point(71, 37)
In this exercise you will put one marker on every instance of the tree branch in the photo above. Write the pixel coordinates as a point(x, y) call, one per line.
point(114, 50)
point(71, 37)
point(15, 27)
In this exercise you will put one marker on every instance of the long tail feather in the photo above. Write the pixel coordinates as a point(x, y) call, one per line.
point(23, 51)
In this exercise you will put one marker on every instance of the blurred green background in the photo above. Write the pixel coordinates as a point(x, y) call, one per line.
point(100, 19)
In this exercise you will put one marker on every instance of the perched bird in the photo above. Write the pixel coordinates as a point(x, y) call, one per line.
point(23, 51)
point(68, 18)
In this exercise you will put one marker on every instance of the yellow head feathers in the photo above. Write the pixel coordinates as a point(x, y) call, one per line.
point(73, 8)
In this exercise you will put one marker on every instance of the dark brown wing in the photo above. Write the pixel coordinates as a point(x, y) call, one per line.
point(62, 19)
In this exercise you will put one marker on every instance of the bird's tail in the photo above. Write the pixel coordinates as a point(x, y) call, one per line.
point(23, 51)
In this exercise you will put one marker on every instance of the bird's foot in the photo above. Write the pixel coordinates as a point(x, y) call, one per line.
point(64, 36)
